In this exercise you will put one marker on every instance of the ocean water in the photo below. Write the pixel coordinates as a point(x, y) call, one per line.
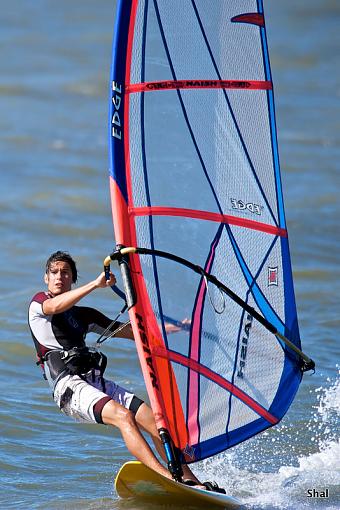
point(55, 59)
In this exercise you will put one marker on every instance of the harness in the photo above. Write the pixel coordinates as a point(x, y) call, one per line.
point(80, 360)
point(76, 361)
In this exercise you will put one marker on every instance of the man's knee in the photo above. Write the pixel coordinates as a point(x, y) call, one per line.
point(115, 414)
point(146, 419)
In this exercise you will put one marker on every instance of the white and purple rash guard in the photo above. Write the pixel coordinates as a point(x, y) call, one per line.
point(63, 331)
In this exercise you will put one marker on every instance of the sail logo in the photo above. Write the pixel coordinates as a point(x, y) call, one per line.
point(246, 206)
point(273, 276)
point(189, 451)
point(182, 84)
point(116, 102)
point(147, 351)
point(244, 346)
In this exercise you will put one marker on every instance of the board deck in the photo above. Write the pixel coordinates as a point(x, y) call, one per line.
point(134, 480)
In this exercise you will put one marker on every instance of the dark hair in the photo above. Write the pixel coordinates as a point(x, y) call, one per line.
point(63, 256)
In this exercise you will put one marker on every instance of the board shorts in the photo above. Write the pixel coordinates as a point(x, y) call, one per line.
point(83, 397)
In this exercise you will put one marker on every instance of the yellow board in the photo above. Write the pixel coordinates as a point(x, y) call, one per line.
point(134, 480)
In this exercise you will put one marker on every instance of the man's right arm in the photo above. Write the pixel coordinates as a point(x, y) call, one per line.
point(66, 300)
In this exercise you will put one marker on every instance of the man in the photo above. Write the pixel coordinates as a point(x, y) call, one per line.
point(75, 373)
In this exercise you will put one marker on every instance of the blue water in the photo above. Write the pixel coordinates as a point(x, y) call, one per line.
point(55, 59)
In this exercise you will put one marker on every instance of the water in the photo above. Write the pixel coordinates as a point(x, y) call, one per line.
point(55, 59)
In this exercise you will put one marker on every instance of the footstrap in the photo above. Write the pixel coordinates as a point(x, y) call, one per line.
point(212, 486)
point(189, 482)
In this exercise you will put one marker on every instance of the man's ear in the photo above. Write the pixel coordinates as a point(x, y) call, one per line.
point(46, 278)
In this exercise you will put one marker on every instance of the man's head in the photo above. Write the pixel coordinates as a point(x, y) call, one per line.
point(61, 272)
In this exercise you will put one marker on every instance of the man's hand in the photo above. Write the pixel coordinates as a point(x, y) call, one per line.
point(101, 281)
point(174, 328)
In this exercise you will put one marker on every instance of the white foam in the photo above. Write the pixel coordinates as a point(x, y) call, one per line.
point(322, 465)
point(318, 468)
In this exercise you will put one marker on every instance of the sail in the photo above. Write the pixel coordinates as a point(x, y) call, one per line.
point(195, 172)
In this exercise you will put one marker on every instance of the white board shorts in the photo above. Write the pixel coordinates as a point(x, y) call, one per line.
point(83, 398)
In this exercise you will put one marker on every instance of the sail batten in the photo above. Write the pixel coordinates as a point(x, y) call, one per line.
point(209, 216)
point(195, 171)
point(197, 84)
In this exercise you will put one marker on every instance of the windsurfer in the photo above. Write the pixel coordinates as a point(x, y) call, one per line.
point(75, 372)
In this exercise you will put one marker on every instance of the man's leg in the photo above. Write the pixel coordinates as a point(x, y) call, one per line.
point(116, 415)
point(145, 419)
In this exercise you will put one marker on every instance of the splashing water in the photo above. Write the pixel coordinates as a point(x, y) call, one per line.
point(328, 410)
point(311, 465)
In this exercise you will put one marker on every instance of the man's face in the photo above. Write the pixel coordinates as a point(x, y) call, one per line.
point(59, 278)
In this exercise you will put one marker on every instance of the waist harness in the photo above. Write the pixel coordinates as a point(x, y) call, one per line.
point(75, 361)
point(80, 360)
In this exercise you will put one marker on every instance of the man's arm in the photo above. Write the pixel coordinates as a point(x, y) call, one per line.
point(66, 300)
point(99, 323)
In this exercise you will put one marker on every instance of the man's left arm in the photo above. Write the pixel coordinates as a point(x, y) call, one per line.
point(98, 323)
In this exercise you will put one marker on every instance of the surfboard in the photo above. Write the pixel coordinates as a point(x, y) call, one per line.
point(134, 480)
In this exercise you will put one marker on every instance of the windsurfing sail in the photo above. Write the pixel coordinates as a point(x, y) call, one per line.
point(194, 172)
